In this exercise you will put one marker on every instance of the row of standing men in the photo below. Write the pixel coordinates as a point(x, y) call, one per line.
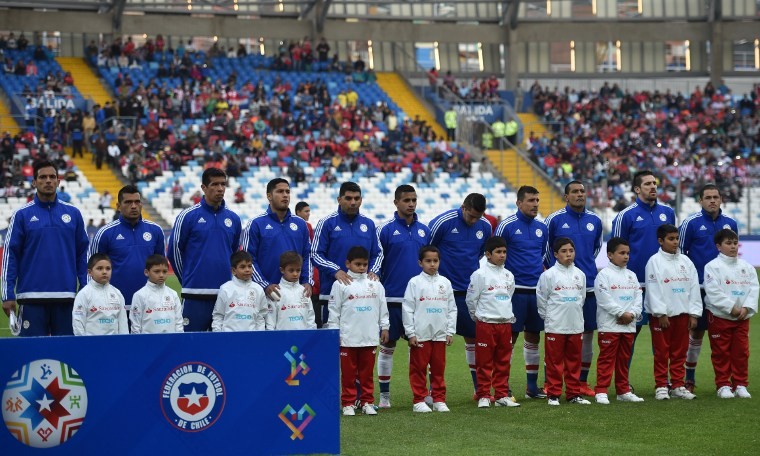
point(46, 251)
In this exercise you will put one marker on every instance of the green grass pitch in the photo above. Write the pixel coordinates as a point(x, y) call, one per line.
point(706, 425)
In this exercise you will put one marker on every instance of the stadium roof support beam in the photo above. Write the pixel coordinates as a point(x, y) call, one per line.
point(307, 10)
point(509, 10)
point(324, 8)
point(118, 10)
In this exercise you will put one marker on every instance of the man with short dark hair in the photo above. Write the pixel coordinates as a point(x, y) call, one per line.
point(460, 235)
point(638, 225)
point(527, 246)
point(44, 259)
point(334, 237)
point(129, 241)
point(401, 238)
point(273, 232)
point(584, 228)
point(696, 236)
point(202, 240)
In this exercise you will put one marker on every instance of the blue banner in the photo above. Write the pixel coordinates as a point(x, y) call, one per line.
point(268, 392)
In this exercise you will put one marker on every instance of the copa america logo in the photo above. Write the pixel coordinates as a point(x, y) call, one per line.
point(192, 397)
point(44, 403)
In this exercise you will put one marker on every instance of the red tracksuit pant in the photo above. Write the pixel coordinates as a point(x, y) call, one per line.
point(729, 342)
point(670, 347)
point(433, 354)
point(493, 358)
point(563, 362)
point(614, 354)
point(357, 363)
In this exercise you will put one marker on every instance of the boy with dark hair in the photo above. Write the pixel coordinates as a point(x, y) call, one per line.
point(429, 315)
point(241, 304)
point(560, 295)
point(731, 289)
point(674, 302)
point(156, 308)
point(618, 299)
point(358, 309)
point(289, 307)
point(489, 301)
point(99, 306)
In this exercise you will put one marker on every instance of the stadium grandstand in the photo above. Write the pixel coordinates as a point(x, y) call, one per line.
point(324, 91)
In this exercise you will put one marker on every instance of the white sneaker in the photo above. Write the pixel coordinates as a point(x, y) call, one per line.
point(484, 402)
point(724, 392)
point(553, 401)
point(601, 398)
point(742, 393)
point(440, 407)
point(580, 400)
point(385, 400)
point(629, 397)
point(506, 402)
point(349, 410)
point(369, 409)
point(661, 394)
point(429, 400)
point(682, 392)
point(421, 407)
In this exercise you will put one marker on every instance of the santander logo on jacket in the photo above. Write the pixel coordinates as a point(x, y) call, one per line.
point(358, 310)
point(560, 295)
point(672, 286)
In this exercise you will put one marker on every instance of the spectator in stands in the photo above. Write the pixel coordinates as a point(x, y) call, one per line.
point(63, 196)
point(105, 202)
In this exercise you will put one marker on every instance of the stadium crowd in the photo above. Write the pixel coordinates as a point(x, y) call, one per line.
point(609, 134)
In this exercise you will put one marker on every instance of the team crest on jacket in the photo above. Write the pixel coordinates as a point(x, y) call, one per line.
point(479, 234)
point(44, 403)
point(192, 397)
point(726, 227)
point(663, 217)
point(66, 218)
point(147, 236)
point(294, 227)
point(421, 232)
point(228, 222)
point(441, 289)
point(539, 233)
point(590, 226)
point(363, 227)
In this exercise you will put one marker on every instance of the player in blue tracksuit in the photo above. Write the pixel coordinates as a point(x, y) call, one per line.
point(129, 241)
point(202, 240)
point(697, 242)
point(461, 235)
point(638, 225)
point(584, 228)
point(336, 234)
point(527, 247)
point(401, 238)
point(269, 235)
point(44, 259)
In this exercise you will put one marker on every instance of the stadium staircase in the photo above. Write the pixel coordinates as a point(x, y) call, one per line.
point(86, 81)
point(518, 171)
point(406, 99)
point(7, 122)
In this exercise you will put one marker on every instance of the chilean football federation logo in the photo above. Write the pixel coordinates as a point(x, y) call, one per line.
point(193, 397)
point(44, 403)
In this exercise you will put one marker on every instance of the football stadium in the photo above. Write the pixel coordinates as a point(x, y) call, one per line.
point(549, 208)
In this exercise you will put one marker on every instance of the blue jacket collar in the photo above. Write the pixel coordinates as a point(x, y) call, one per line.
point(127, 222)
point(572, 211)
point(210, 208)
point(347, 217)
point(45, 204)
point(707, 215)
point(273, 214)
point(402, 220)
point(646, 205)
point(524, 218)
